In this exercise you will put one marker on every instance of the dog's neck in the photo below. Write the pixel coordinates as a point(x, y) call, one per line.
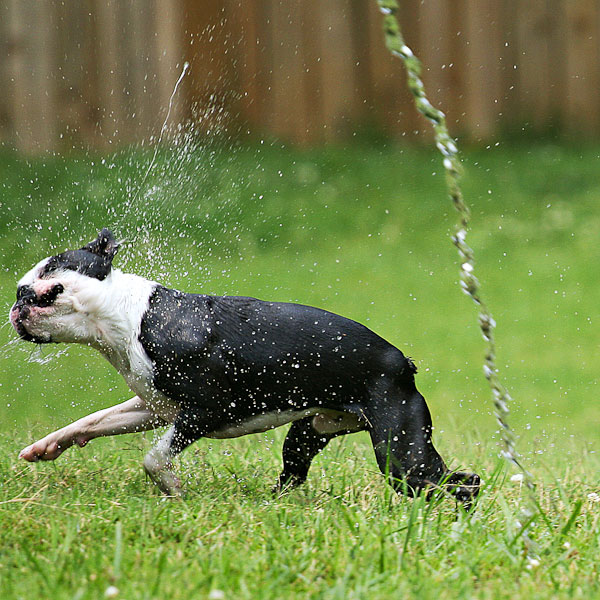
point(117, 317)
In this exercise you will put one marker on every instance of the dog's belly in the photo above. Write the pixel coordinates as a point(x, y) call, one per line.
point(323, 422)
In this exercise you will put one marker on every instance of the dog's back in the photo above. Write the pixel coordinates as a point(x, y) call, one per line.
point(241, 349)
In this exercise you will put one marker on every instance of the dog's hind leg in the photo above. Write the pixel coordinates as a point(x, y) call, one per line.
point(400, 428)
point(159, 467)
point(302, 443)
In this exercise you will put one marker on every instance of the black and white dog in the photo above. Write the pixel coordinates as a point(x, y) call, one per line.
point(222, 367)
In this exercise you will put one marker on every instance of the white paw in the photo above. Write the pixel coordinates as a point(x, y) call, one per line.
point(162, 474)
point(48, 448)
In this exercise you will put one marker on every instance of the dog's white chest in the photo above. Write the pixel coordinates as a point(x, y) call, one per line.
point(137, 372)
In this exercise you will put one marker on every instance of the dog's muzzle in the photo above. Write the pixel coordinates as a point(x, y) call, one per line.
point(18, 313)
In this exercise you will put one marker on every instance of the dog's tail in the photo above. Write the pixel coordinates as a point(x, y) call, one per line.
point(411, 366)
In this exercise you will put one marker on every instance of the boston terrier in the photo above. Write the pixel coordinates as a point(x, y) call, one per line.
point(223, 367)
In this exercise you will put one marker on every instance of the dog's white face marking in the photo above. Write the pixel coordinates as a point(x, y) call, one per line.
point(64, 316)
point(32, 275)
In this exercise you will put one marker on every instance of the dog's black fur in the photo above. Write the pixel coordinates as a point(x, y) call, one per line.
point(229, 359)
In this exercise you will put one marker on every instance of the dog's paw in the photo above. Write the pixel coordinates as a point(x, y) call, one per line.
point(161, 473)
point(44, 449)
point(286, 483)
point(168, 483)
point(465, 487)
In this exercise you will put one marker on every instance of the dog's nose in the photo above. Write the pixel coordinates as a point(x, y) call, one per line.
point(19, 312)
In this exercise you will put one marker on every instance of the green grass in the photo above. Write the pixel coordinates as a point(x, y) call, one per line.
point(362, 231)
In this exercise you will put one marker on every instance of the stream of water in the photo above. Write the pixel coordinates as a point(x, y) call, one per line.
point(470, 284)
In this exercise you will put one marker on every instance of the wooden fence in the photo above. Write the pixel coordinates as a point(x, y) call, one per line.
point(97, 73)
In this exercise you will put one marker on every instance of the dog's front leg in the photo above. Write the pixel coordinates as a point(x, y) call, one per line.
point(159, 467)
point(189, 426)
point(128, 417)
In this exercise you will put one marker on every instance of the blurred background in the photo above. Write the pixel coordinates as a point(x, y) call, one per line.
point(99, 73)
point(294, 167)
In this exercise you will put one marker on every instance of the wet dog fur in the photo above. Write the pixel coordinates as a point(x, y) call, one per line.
point(222, 367)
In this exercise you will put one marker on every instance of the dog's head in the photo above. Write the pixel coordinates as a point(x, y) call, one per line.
point(56, 298)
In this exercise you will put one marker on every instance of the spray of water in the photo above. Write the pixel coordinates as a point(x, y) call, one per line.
point(163, 129)
point(158, 201)
point(446, 145)
point(180, 194)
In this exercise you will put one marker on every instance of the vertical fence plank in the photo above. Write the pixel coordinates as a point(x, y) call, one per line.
point(43, 64)
point(532, 69)
point(416, 125)
point(140, 70)
point(15, 67)
point(359, 33)
point(483, 89)
point(131, 54)
point(31, 66)
point(110, 72)
point(435, 50)
point(508, 67)
point(6, 120)
point(557, 58)
point(505, 41)
point(75, 119)
point(289, 107)
point(312, 71)
point(458, 67)
point(211, 45)
point(5, 79)
point(391, 107)
point(264, 73)
point(336, 69)
point(91, 83)
point(242, 23)
point(582, 67)
point(169, 55)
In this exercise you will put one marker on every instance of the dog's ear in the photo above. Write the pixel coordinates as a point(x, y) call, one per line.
point(105, 245)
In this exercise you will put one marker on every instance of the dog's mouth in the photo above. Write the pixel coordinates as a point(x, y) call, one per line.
point(28, 337)
point(24, 335)
point(17, 323)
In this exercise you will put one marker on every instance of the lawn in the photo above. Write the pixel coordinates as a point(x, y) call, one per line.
point(363, 231)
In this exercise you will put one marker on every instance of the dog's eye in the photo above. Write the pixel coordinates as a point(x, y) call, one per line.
point(50, 296)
